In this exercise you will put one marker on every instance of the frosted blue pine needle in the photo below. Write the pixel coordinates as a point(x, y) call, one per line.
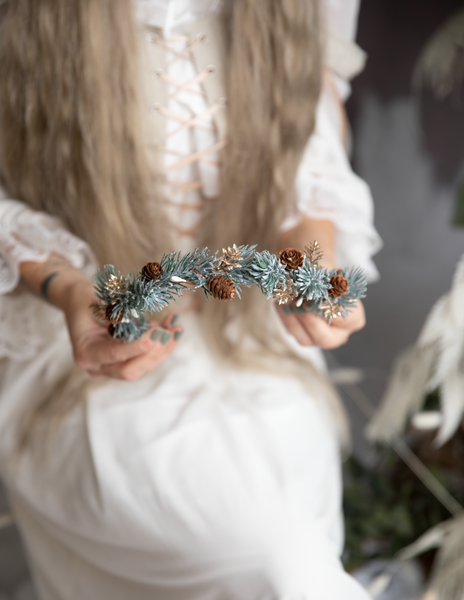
point(311, 283)
point(125, 299)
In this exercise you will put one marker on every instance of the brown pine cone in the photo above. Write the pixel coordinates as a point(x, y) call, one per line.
point(339, 286)
point(109, 311)
point(222, 287)
point(152, 271)
point(291, 258)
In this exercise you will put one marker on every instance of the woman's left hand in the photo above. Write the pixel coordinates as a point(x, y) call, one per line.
point(305, 327)
point(310, 330)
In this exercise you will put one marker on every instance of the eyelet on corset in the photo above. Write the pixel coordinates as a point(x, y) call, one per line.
point(155, 73)
point(151, 38)
point(155, 108)
point(211, 70)
point(202, 37)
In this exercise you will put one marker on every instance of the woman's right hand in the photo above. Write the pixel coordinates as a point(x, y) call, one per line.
point(100, 354)
point(93, 348)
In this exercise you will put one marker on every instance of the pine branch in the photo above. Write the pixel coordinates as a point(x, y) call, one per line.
point(267, 272)
point(130, 297)
point(311, 282)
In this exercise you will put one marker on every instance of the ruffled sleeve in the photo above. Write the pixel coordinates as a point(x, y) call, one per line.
point(327, 188)
point(28, 235)
point(27, 323)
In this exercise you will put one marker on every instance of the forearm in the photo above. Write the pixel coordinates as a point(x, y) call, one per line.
point(55, 280)
point(310, 230)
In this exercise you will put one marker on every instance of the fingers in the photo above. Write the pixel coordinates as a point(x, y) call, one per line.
point(169, 320)
point(103, 349)
point(357, 318)
point(134, 368)
point(163, 341)
point(166, 332)
point(111, 358)
point(294, 327)
point(324, 335)
point(306, 326)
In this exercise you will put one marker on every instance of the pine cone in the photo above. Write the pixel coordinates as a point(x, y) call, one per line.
point(111, 330)
point(291, 258)
point(339, 286)
point(108, 315)
point(222, 287)
point(152, 271)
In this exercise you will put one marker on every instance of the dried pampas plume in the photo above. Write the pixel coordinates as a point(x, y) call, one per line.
point(448, 572)
point(436, 361)
point(441, 64)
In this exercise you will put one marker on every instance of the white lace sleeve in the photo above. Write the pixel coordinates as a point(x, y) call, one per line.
point(327, 188)
point(27, 323)
point(28, 235)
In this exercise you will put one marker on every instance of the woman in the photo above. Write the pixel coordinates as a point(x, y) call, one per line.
point(202, 465)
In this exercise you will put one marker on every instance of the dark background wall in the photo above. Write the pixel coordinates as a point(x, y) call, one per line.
point(409, 147)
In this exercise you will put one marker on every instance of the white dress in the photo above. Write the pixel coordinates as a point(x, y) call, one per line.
point(197, 481)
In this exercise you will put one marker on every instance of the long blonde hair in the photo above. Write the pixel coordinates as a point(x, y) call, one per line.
point(70, 131)
point(71, 136)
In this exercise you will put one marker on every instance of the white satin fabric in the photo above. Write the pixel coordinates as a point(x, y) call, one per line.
point(198, 482)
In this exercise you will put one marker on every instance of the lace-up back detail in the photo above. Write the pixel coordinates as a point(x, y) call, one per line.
point(191, 147)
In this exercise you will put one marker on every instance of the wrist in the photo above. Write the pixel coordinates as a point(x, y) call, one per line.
point(71, 292)
point(56, 280)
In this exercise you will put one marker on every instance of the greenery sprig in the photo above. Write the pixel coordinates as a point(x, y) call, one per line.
point(291, 276)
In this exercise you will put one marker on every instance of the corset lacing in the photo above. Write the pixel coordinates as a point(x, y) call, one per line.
point(201, 120)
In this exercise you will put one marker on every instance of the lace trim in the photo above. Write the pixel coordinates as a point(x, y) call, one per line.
point(28, 235)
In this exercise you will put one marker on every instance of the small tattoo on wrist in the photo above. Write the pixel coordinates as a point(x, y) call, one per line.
point(45, 284)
